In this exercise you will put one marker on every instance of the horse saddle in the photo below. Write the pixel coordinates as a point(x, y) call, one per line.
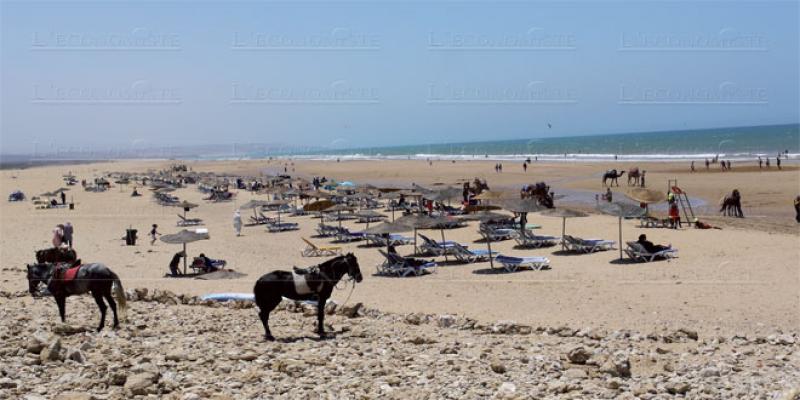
point(301, 271)
point(68, 272)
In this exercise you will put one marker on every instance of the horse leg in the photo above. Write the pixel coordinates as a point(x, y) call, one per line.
point(98, 298)
point(264, 310)
point(61, 301)
point(113, 305)
point(321, 316)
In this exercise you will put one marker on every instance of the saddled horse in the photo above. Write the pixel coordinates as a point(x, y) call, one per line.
point(63, 282)
point(56, 255)
point(303, 284)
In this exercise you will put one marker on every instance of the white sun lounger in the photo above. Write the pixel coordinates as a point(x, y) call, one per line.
point(587, 245)
point(512, 264)
point(529, 239)
point(637, 252)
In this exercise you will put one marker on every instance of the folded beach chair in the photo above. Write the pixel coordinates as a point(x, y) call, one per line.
point(637, 252)
point(189, 221)
point(512, 264)
point(396, 265)
point(281, 227)
point(496, 234)
point(312, 250)
point(529, 239)
point(587, 245)
point(469, 256)
point(431, 246)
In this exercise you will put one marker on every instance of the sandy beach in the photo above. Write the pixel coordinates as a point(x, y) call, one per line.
point(741, 279)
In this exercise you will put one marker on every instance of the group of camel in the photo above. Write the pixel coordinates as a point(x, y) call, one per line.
point(635, 177)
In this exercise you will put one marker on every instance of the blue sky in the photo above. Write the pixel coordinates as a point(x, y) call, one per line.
point(351, 74)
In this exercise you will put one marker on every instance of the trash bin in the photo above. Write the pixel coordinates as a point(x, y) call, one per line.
point(71, 206)
point(130, 237)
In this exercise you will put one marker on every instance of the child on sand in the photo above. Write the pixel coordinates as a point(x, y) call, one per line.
point(154, 234)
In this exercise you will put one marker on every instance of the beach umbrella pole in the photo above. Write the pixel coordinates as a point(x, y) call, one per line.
point(563, 232)
point(620, 238)
point(443, 245)
point(185, 256)
point(415, 242)
point(489, 246)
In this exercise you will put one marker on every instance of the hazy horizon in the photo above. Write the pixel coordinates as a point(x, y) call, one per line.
point(344, 75)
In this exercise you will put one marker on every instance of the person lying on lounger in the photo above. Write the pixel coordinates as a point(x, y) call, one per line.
point(649, 246)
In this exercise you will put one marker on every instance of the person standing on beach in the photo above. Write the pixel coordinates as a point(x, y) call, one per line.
point(237, 222)
point(707, 163)
point(767, 162)
point(777, 162)
point(797, 209)
point(524, 167)
point(608, 195)
point(692, 168)
point(58, 236)
point(760, 162)
point(154, 234)
point(68, 231)
point(63, 198)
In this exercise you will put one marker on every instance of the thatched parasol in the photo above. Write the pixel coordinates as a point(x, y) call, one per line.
point(183, 237)
point(646, 196)
point(564, 213)
point(417, 221)
point(621, 210)
point(387, 228)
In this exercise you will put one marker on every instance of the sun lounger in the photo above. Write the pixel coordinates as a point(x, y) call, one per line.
point(281, 227)
point(344, 235)
point(529, 239)
point(326, 230)
point(437, 248)
point(189, 221)
point(496, 234)
point(198, 266)
point(394, 240)
point(513, 264)
point(637, 252)
point(587, 245)
point(312, 250)
point(396, 265)
point(468, 256)
point(652, 222)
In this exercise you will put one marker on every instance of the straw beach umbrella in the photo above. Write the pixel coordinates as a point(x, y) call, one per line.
point(522, 207)
point(388, 228)
point(564, 213)
point(368, 215)
point(338, 210)
point(254, 205)
point(183, 237)
point(417, 221)
point(646, 196)
point(621, 210)
point(186, 206)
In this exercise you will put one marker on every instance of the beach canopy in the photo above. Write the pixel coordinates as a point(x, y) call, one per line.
point(388, 227)
point(646, 196)
point(521, 205)
point(493, 195)
point(485, 216)
point(564, 213)
point(254, 204)
point(621, 210)
point(318, 205)
point(183, 237)
point(185, 204)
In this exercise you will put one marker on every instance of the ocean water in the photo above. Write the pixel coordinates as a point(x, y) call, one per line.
point(729, 143)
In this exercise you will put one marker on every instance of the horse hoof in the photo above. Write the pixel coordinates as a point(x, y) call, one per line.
point(269, 338)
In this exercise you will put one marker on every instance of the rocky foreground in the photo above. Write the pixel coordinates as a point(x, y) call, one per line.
point(178, 347)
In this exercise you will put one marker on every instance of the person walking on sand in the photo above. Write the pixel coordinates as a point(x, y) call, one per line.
point(237, 222)
point(154, 234)
point(63, 199)
point(778, 162)
point(707, 164)
point(760, 162)
point(692, 168)
point(68, 231)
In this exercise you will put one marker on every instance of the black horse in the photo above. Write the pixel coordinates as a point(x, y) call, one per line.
point(95, 278)
point(56, 255)
point(303, 284)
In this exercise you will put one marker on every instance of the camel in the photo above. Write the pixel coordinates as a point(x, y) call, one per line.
point(633, 176)
point(613, 175)
point(731, 205)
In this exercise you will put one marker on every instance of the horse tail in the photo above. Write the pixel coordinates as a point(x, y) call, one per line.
point(119, 294)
